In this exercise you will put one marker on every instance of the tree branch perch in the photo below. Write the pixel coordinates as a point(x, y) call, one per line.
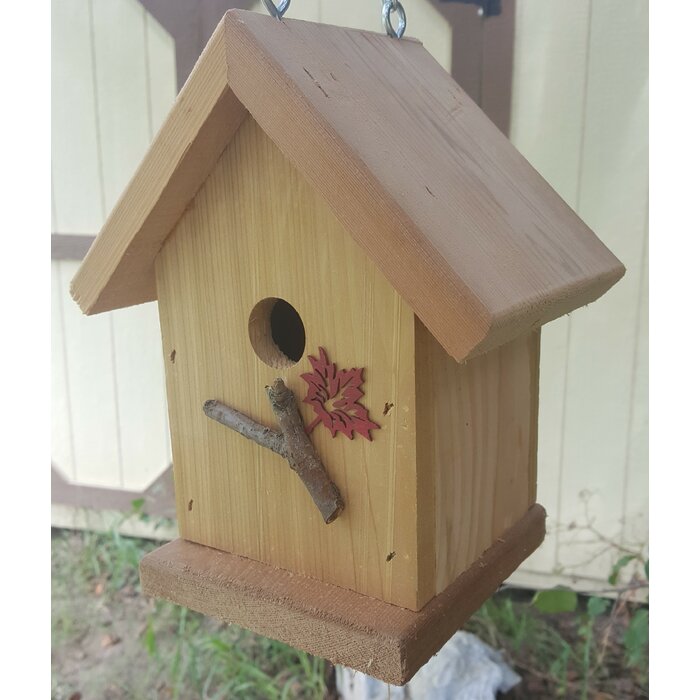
point(292, 443)
point(247, 427)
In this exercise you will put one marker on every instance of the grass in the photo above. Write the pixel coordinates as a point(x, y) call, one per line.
point(198, 659)
point(585, 653)
point(109, 641)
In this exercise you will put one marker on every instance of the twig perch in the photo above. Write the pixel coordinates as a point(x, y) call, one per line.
point(264, 436)
point(292, 443)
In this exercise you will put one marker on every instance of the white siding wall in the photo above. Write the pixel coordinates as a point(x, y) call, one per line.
point(579, 114)
point(113, 81)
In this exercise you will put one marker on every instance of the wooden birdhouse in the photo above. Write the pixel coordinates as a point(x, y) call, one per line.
point(352, 265)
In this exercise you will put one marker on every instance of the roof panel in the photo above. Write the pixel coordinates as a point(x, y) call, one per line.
point(473, 238)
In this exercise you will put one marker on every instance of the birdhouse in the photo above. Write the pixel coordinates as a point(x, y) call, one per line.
point(351, 265)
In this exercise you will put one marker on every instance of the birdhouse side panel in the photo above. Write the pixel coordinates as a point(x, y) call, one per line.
point(478, 432)
point(257, 253)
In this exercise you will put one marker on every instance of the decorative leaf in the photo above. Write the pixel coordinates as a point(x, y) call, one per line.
point(335, 397)
point(620, 564)
point(555, 600)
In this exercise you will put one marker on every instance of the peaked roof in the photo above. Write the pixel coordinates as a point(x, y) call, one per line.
point(467, 232)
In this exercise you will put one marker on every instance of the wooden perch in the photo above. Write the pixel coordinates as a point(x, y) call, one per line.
point(264, 436)
point(292, 443)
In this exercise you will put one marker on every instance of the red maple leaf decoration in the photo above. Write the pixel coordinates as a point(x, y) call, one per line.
point(335, 396)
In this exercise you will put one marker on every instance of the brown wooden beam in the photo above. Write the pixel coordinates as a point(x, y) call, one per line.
point(482, 56)
point(497, 66)
point(190, 23)
point(159, 497)
point(70, 246)
point(383, 640)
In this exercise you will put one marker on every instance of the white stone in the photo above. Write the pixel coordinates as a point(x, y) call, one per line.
point(464, 669)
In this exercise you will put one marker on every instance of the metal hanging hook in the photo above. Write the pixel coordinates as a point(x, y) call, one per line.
point(388, 8)
point(277, 10)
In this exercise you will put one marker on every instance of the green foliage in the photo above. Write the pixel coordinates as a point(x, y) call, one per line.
point(183, 653)
point(555, 600)
point(596, 606)
point(524, 634)
point(210, 660)
point(636, 638)
point(620, 564)
point(137, 506)
point(575, 644)
point(149, 638)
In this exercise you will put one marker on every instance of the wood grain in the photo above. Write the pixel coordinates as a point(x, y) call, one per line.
point(473, 239)
point(386, 641)
point(478, 434)
point(255, 230)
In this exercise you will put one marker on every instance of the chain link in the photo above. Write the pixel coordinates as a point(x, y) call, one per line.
point(390, 7)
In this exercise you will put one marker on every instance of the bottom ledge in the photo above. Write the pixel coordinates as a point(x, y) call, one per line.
point(345, 627)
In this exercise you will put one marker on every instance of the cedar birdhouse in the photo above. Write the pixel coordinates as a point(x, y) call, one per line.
point(352, 265)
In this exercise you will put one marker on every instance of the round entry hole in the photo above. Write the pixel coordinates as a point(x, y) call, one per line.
point(276, 333)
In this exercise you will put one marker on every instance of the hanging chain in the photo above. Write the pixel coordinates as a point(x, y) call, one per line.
point(277, 10)
point(389, 7)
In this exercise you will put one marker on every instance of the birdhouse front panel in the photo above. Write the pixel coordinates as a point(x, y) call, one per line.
point(255, 233)
point(439, 463)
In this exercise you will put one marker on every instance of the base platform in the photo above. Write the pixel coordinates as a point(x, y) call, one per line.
point(382, 640)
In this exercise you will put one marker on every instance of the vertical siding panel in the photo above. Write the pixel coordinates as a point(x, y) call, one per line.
point(124, 119)
point(131, 92)
point(91, 388)
point(636, 508)
point(74, 160)
point(160, 60)
point(122, 94)
point(54, 217)
point(360, 14)
point(309, 10)
point(84, 415)
point(423, 21)
point(141, 389)
point(61, 430)
point(549, 77)
point(613, 194)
